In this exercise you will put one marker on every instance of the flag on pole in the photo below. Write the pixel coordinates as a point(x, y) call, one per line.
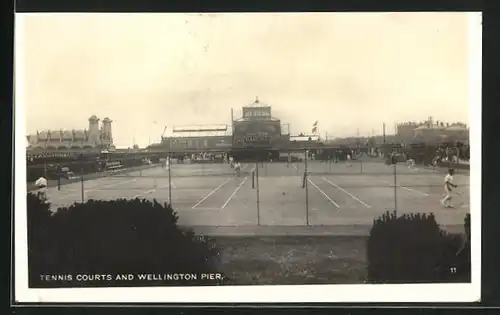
point(315, 127)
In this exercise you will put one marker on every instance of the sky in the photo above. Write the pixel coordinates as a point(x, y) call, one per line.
point(350, 71)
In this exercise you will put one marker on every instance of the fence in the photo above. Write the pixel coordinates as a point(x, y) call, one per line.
point(299, 192)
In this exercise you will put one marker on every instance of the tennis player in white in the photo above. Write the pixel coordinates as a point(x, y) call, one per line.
point(41, 184)
point(237, 168)
point(348, 160)
point(410, 162)
point(448, 186)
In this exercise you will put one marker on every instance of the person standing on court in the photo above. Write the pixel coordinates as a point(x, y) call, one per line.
point(237, 168)
point(410, 162)
point(348, 159)
point(448, 186)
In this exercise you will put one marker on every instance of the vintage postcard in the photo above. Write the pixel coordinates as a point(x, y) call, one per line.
point(267, 158)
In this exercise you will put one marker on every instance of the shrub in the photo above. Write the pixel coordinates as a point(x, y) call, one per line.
point(38, 223)
point(413, 249)
point(463, 256)
point(119, 237)
point(467, 226)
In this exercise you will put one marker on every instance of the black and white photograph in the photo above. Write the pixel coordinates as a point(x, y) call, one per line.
point(248, 157)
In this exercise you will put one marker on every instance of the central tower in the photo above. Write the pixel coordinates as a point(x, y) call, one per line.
point(256, 132)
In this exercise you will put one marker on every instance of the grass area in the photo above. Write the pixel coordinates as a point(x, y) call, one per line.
point(293, 260)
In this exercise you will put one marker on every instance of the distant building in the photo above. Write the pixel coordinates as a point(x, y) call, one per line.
point(406, 130)
point(431, 131)
point(305, 138)
point(257, 128)
point(91, 138)
point(207, 137)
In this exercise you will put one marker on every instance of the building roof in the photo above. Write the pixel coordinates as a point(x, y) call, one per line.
point(257, 118)
point(429, 127)
point(200, 128)
point(304, 138)
point(457, 128)
point(256, 104)
point(200, 131)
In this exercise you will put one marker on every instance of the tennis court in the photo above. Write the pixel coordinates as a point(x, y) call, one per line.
point(277, 194)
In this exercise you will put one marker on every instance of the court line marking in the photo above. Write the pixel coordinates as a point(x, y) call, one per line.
point(234, 192)
point(346, 192)
point(119, 183)
point(202, 171)
point(144, 193)
point(149, 191)
point(98, 188)
point(412, 190)
point(154, 189)
point(156, 178)
point(406, 188)
point(323, 193)
point(211, 193)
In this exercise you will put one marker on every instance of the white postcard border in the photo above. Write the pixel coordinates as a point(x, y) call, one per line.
point(253, 294)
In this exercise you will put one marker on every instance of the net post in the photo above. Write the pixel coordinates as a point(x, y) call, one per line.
point(257, 186)
point(361, 167)
point(169, 180)
point(59, 182)
point(253, 179)
point(306, 186)
point(83, 189)
point(395, 190)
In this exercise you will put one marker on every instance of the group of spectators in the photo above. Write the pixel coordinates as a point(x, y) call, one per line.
point(440, 154)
